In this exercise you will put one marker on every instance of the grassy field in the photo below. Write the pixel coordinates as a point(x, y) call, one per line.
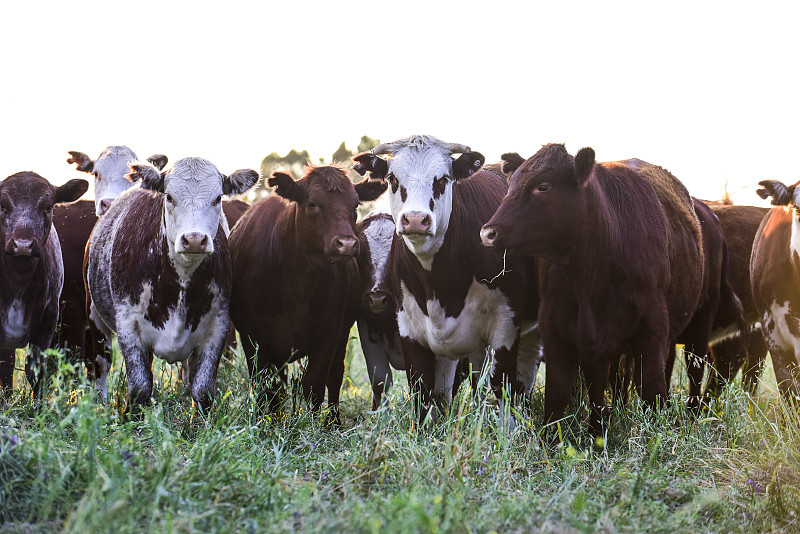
point(72, 464)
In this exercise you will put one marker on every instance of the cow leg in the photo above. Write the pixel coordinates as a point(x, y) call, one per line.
point(529, 357)
point(100, 339)
point(443, 378)
point(696, 353)
point(7, 361)
point(650, 351)
point(380, 374)
point(270, 380)
point(561, 371)
point(420, 370)
point(73, 333)
point(754, 364)
point(335, 378)
point(596, 376)
point(138, 366)
point(505, 370)
point(787, 373)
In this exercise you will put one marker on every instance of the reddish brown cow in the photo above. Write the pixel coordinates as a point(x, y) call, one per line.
point(775, 281)
point(31, 269)
point(621, 267)
point(293, 276)
point(735, 346)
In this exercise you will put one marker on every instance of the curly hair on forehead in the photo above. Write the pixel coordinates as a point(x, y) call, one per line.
point(333, 176)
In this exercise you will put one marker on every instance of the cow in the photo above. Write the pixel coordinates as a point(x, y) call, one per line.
point(158, 273)
point(31, 270)
point(735, 346)
point(110, 170)
point(775, 281)
point(455, 299)
point(294, 275)
point(621, 268)
point(375, 308)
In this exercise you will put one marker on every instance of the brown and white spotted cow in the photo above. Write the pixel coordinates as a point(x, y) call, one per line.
point(376, 308)
point(31, 269)
point(775, 279)
point(621, 267)
point(456, 299)
point(294, 275)
point(159, 273)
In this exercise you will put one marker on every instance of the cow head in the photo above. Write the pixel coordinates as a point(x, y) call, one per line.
point(326, 201)
point(192, 193)
point(26, 211)
point(110, 170)
point(421, 174)
point(538, 214)
point(375, 234)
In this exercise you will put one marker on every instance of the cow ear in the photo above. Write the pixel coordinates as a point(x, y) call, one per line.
point(71, 191)
point(151, 177)
point(285, 186)
point(511, 162)
point(369, 162)
point(159, 161)
point(369, 190)
point(584, 163)
point(82, 162)
point(466, 164)
point(781, 194)
point(239, 182)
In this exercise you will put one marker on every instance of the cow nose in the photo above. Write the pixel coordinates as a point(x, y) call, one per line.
point(105, 204)
point(345, 245)
point(194, 243)
point(378, 301)
point(488, 235)
point(415, 222)
point(23, 247)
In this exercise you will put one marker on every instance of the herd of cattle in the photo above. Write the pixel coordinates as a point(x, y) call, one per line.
point(601, 267)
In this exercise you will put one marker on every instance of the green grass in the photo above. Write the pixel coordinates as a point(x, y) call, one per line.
point(70, 463)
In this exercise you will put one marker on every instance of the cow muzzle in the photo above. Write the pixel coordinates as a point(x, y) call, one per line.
point(378, 301)
point(344, 245)
point(21, 247)
point(415, 223)
point(195, 243)
point(104, 205)
point(488, 236)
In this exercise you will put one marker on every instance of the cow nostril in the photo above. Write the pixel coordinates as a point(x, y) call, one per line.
point(404, 221)
point(488, 235)
point(105, 204)
point(426, 222)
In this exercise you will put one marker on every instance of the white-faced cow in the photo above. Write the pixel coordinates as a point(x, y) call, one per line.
point(294, 275)
point(376, 308)
point(31, 269)
point(622, 267)
point(159, 273)
point(775, 279)
point(456, 299)
point(110, 172)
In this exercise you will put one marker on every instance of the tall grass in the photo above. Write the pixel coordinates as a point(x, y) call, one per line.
point(70, 463)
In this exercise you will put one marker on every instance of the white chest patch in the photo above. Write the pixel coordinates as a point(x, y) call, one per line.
point(782, 322)
point(14, 326)
point(794, 241)
point(175, 341)
point(485, 321)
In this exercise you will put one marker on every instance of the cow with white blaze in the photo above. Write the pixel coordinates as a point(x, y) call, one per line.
point(775, 279)
point(456, 299)
point(31, 269)
point(159, 273)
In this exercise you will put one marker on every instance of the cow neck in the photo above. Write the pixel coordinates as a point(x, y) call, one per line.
point(304, 267)
point(20, 275)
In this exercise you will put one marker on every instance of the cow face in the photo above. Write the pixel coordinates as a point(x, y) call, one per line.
point(540, 214)
point(421, 174)
point(26, 211)
point(375, 234)
point(326, 209)
point(783, 195)
point(110, 172)
point(192, 191)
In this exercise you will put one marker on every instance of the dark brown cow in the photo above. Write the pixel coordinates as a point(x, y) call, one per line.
point(775, 280)
point(31, 269)
point(293, 276)
point(456, 299)
point(159, 273)
point(730, 349)
point(621, 267)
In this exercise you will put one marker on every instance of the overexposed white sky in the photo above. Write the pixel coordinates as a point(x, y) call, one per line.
point(708, 90)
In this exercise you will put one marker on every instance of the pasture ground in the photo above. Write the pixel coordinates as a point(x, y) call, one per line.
point(69, 463)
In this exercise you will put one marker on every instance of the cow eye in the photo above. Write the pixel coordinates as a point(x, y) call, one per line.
point(544, 187)
point(217, 200)
point(392, 179)
point(312, 205)
point(49, 208)
point(171, 200)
